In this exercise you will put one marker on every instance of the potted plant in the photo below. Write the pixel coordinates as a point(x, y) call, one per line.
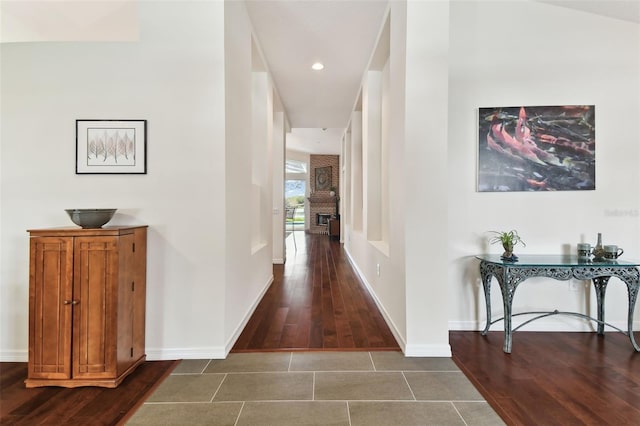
point(508, 239)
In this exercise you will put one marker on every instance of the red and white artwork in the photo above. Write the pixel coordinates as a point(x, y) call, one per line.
point(539, 148)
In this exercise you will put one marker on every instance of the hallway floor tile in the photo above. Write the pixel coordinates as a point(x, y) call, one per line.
point(316, 388)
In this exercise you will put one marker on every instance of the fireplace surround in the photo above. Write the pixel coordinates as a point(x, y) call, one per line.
point(323, 205)
point(322, 219)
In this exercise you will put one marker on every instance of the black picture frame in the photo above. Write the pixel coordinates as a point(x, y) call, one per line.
point(323, 178)
point(105, 146)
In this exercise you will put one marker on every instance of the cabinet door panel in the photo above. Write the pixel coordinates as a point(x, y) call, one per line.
point(140, 294)
point(95, 289)
point(126, 289)
point(50, 294)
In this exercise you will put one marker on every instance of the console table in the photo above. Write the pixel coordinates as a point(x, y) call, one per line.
point(510, 274)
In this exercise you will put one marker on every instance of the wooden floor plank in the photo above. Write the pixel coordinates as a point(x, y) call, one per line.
point(554, 378)
point(328, 307)
point(78, 406)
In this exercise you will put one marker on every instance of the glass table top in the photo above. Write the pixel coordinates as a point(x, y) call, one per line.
point(554, 260)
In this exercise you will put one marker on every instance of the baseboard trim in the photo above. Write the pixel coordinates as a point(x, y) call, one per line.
point(236, 334)
point(442, 351)
point(583, 326)
point(14, 356)
point(164, 354)
point(385, 315)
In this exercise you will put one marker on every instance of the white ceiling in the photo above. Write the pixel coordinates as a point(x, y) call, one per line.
point(293, 34)
point(51, 20)
point(626, 10)
point(315, 141)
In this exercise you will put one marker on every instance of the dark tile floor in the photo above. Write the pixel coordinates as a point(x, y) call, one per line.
point(316, 388)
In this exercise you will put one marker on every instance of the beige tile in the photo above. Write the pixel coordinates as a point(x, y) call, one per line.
point(401, 413)
point(187, 388)
point(361, 386)
point(191, 366)
point(181, 414)
point(266, 387)
point(442, 386)
point(251, 362)
point(331, 361)
point(478, 414)
point(294, 413)
point(396, 361)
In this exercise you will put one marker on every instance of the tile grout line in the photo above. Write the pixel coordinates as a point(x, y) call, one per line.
point(218, 389)
point(290, 362)
point(348, 413)
point(408, 385)
point(239, 413)
point(403, 401)
point(459, 414)
point(313, 387)
point(188, 402)
point(372, 363)
point(205, 367)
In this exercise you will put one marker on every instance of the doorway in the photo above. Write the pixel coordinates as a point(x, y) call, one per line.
point(295, 193)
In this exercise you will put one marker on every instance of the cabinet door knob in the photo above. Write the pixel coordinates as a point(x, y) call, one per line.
point(67, 302)
point(71, 302)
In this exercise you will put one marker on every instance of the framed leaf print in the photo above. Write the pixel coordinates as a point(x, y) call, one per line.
point(111, 146)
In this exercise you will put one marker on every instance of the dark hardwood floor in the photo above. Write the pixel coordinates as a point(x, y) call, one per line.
point(316, 302)
point(79, 406)
point(554, 378)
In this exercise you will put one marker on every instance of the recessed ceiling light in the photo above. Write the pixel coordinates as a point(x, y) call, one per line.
point(317, 66)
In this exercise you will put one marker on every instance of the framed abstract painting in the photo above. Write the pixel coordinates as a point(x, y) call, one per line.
point(536, 148)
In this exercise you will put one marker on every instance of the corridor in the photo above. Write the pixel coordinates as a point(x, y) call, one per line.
point(315, 302)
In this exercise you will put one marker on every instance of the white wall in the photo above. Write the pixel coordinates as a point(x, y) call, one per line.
point(203, 279)
point(277, 167)
point(174, 78)
point(426, 191)
point(189, 76)
point(448, 59)
point(249, 131)
point(528, 53)
point(389, 286)
point(413, 267)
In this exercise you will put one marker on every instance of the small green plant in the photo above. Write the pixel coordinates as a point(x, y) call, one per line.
point(508, 239)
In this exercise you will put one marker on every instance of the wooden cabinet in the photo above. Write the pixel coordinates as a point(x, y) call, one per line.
point(334, 228)
point(87, 292)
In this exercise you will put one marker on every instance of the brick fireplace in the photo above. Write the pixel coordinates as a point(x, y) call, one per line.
point(324, 174)
point(322, 219)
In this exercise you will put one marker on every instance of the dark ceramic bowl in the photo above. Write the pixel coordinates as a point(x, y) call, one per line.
point(90, 218)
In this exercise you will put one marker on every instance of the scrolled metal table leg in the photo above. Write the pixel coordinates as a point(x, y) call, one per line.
point(508, 288)
point(486, 286)
point(600, 285)
point(633, 296)
point(508, 332)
